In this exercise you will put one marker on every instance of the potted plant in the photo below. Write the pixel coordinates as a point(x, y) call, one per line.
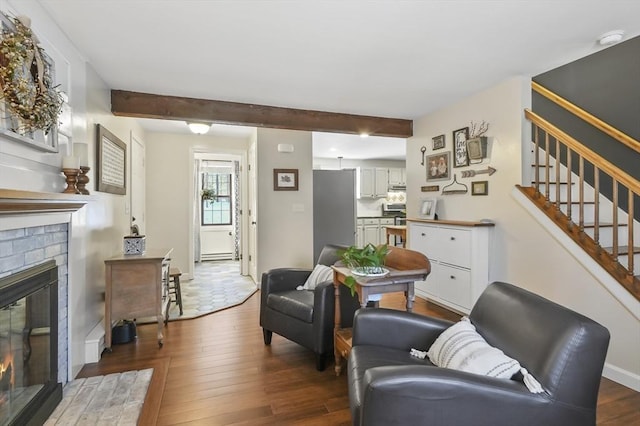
point(208, 194)
point(365, 261)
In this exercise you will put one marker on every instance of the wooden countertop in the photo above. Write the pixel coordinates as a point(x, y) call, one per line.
point(149, 254)
point(451, 222)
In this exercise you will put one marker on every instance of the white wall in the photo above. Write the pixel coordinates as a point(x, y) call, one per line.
point(96, 229)
point(523, 253)
point(170, 188)
point(285, 218)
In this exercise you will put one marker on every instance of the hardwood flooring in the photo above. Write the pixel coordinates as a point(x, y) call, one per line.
point(216, 370)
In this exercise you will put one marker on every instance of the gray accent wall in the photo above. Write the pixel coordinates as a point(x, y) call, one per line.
point(607, 85)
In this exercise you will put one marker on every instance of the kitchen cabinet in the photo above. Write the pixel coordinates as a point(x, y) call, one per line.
point(459, 256)
point(374, 182)
point(382, 232)
point(397, 177)
point(371, 230)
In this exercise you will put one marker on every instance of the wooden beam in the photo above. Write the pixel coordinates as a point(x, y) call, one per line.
point(145, 105)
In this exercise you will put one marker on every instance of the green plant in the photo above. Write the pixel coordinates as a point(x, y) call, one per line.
point(368, 260)
point(208, 195)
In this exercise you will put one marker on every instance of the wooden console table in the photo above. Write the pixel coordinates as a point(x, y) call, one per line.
point(405, 267)
point(135, 284)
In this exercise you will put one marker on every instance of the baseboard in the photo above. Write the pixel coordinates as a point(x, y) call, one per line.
point(623, 377)
point(94, 344)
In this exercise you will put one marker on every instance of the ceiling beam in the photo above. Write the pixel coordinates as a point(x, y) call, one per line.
point(145, 105)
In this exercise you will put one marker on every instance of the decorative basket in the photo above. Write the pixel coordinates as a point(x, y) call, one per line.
point(134, 244)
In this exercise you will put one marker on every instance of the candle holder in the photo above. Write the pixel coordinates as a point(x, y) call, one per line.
point(72, 179)
point(83, 180)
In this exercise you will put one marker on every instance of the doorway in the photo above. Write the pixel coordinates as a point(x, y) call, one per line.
point(219, 227)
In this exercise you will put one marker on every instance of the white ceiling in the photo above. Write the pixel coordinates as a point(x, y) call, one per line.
point(388, 58)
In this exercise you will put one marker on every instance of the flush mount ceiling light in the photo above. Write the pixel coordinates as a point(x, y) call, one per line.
point(199, 128)
point(611, 37)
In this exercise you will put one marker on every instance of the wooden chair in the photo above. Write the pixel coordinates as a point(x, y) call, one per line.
point(175, 292)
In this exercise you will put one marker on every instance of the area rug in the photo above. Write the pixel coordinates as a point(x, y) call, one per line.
point(216, 285)
point(114, 399)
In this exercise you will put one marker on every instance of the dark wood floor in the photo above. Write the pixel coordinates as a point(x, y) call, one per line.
point(215, 370)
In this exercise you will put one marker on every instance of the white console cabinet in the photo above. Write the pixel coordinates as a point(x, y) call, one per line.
point(459, 256)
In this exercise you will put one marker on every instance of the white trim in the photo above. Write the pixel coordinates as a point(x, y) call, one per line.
point(624, 377)
point(94, 343)
point(28, 221)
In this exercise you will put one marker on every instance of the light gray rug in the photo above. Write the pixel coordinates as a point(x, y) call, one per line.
point(216, 285)
point(114, 399)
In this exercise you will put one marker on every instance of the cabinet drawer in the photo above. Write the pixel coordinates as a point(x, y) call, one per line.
point(453, 285)
point(370, 221)
point(453, 246)
point(387, 221)
point(418, 238)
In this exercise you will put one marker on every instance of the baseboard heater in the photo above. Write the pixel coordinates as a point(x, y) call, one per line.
point(216, 256)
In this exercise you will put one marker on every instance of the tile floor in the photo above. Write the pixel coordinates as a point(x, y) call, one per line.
point(216, 285)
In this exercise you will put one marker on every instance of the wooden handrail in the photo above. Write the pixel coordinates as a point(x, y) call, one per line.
point(624, 178)
point(589, 118)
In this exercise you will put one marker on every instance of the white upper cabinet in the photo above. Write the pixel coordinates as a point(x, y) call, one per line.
point(397, 176)
point(374, 182)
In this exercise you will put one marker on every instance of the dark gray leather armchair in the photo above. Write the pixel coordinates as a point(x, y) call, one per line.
point(562, 349)
point(304, 316)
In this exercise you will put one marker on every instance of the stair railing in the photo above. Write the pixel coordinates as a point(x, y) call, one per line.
point(558, 143)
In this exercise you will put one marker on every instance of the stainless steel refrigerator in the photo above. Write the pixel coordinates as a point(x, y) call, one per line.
point(334, 208)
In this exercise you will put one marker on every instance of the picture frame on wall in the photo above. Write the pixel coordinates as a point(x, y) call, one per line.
point(480, 187)
point(285, 179)
point(439, 166)
point(460, 158)
point(111, 160)
point(438, 142)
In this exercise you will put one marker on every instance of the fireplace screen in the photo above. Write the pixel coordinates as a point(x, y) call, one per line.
point(28, 343)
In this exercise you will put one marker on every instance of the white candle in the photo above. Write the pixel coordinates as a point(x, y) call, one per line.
point(81, 150)
point(69, 162)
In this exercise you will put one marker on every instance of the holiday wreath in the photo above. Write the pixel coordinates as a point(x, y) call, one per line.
point(26, 78)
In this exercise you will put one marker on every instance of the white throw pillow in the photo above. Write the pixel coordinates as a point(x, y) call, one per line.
point(460, 347)
point(320, 274)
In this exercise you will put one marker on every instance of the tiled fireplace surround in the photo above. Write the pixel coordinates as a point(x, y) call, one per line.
point(21, 248)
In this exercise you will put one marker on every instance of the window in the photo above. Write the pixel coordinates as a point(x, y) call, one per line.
point(218, 211)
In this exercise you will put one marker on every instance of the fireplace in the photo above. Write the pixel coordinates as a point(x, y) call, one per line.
point(29, 388)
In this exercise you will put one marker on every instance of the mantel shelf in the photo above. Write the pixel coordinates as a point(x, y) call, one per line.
point(14, 201)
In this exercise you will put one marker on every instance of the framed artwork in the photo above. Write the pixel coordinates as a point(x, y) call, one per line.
point(477, 149)
point(480, 187)
point(438, 142)
point(111, 161)
point(285, 179)
point(460, 137)
point(428, 208)
point(439, 166)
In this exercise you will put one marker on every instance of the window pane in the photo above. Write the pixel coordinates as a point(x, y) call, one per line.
point(218, 212)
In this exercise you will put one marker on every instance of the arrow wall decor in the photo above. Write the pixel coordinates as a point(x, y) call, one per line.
point(471, 173)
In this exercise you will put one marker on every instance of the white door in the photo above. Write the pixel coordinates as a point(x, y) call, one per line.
point(253, 211)
point(138, 174)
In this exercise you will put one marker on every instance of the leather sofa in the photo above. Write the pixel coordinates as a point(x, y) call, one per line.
point(304, 316)
point(562, 349)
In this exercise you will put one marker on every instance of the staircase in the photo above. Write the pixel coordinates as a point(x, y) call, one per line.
point(604, 228)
